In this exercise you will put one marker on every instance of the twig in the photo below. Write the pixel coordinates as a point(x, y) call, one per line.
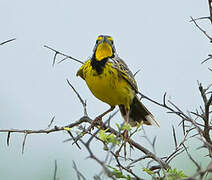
point(58, 52)
point(69, 132)
point(152, 143)
point(178, 148)
point(92, 156)
point(79, 97)
point(126, 169)
point(210, 9)
point(192, 159)
point(175, 154)
point(52, 120)
point(24, 141)
point(8, 138)
point(7, 41)
point(207, 127)
point(207, 103)
point(136, 72)
point(202, 91)
point(200, 18)
point(55, 170)
point(150, 154)
point(209, 57)
point(202, 30)
point(79, 174)
point(174, 135)
point(137, 160)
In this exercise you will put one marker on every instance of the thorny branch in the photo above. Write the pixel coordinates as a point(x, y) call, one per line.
point(163, 163)
point(62, 54)
point(27, 132)
point(206, 113)
point(198, 122)
point(201, 29)
point(86, 119)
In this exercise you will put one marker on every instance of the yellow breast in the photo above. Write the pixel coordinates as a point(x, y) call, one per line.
point(108, 86)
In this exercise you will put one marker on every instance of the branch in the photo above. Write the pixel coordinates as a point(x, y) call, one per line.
point(26, 132)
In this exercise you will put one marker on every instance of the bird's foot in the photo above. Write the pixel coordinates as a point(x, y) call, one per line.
point(125, 135)
point(125, 138)
point(98, 120)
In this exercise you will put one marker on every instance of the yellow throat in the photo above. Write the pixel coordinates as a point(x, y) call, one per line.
point(103, 50)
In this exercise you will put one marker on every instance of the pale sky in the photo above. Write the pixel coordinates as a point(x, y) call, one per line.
point(155, 37)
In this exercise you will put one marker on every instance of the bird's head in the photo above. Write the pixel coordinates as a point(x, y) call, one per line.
point(104, 48)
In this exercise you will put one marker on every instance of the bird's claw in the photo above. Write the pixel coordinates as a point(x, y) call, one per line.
point(97, 119)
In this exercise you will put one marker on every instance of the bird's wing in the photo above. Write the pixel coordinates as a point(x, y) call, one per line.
point(125, 72)
point(84, 66)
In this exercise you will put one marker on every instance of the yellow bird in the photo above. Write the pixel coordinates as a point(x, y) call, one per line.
point(111, 81)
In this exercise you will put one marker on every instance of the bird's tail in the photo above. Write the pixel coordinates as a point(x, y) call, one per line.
point(138, 113)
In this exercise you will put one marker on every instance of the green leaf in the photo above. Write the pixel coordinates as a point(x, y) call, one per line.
point(127, 127)
point(117, 173)
point(148, 171)
point(174, 174)
point(113, 139)
point(118, 126)
point(139, 125)
point(128, 177)
point(108, 138)
point(103, 135)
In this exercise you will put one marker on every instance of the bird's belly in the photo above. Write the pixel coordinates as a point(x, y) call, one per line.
point(109, 87)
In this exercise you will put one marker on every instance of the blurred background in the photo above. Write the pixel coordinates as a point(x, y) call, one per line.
point(155, 37)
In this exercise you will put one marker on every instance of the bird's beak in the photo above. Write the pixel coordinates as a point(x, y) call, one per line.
point(104, 39)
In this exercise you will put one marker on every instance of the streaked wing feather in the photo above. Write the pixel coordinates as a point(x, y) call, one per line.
point(124, 71)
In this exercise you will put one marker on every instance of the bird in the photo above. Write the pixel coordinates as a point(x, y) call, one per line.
point(111, 81)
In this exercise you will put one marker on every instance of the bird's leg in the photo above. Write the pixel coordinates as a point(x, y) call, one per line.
point(99, 118)
point(125, 134)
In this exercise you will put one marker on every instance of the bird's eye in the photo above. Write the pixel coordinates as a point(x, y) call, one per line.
point(110, 39)
point(97, 41)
